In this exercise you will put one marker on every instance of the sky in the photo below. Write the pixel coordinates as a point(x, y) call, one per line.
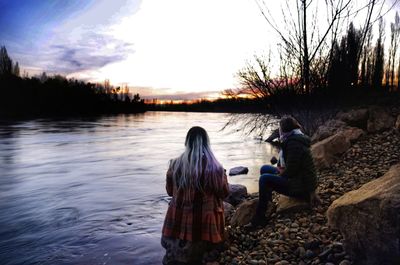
point(178, 49)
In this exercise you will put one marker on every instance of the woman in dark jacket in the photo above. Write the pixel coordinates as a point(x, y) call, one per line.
point(295, 175)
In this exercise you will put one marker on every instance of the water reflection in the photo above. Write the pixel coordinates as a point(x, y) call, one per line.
point(92, 191)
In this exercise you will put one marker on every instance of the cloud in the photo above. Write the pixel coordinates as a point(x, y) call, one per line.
point(85, 54)
point(77, 39)
point(97, 52)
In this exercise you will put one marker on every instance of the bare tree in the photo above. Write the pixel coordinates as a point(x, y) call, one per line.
point(300, 34)
point(379, 57)
point(394, 43)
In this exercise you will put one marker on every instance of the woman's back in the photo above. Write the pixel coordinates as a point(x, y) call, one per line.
point(197, 183)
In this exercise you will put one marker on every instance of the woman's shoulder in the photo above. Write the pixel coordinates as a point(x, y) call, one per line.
point(298, 140)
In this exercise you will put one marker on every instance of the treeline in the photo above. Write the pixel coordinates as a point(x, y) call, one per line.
point(231, 105)
point(59, 96)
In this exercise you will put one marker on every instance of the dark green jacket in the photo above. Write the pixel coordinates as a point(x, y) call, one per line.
point(299, 164)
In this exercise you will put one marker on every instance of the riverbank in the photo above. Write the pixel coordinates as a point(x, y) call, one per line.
point(305, 237)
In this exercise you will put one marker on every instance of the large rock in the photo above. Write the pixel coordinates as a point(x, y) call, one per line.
point(291, 205)
point(369, 220)
point(244, 213)
point(352, 134)
point(379, 120)
point(355, 118)
point(328, 129)
point(328, 150)
point(237, 194)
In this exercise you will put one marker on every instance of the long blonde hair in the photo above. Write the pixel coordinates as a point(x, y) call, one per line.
point(197, 169)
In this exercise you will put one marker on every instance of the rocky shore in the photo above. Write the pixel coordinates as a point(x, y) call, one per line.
point(305, 237)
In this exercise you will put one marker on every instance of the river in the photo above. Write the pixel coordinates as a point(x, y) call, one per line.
point(92, 191)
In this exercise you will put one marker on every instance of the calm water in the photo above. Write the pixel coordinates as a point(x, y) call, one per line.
point(92, 191)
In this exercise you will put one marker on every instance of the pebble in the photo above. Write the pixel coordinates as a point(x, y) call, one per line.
point(283, 262)
point(234, 249)
point(345, 262)
point(309, 254)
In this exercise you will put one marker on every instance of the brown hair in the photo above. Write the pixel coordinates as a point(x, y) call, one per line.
point(288, 123)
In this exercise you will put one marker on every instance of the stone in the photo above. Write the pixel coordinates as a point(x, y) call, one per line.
point(355, 118)
point(291, 205)
point(369, 220)
point(238, 171)
point(244, 213)
point(328, 129)
point(237, 194)
point(397, 124)
point(352, 134)
point(326, 151)
point(379, 120)
point(345, 262)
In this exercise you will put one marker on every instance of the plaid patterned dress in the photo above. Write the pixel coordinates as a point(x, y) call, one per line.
point(199, 220)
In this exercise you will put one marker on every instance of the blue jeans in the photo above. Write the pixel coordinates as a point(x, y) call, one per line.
point(270, 181)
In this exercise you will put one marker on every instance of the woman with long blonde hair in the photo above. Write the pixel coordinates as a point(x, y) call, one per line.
point(194, 223)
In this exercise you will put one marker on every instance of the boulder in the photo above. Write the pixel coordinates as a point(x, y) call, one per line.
point(369, 220)
point(328, 129)
point(237, 194)
point(238, 171)
point(355, 118)
point(291, 205)
point(397, 125)
point(244, 213)
point(352, 134)
point(326, 151)
point(379, 120)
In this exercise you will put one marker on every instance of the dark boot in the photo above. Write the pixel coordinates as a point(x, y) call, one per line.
point(257, 222)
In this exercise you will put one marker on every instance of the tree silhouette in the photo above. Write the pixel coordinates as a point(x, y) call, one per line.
point(16, 69)
point(5, 62)
point(57, 95)
point(379, 57)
